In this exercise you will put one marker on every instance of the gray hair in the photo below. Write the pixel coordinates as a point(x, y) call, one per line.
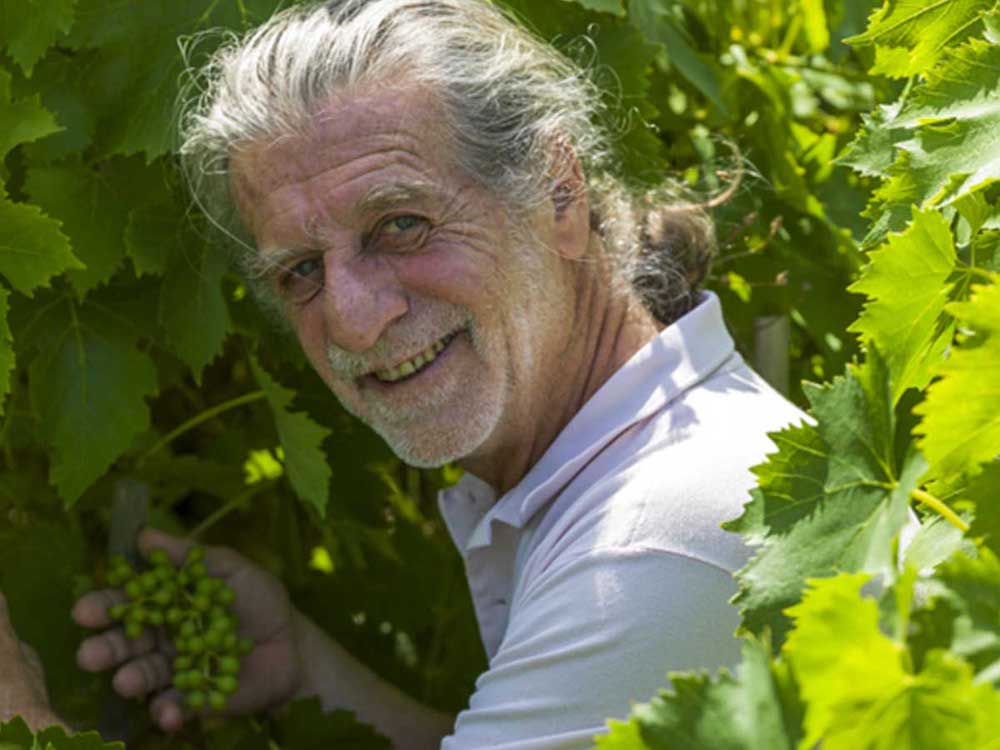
point(508, 99)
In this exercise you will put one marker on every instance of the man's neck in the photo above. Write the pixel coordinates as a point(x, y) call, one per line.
point(606, 330)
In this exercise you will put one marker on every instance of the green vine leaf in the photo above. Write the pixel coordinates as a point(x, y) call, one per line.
point(874, 149)
point(910, 36)
point(33, 249)
point(789, 485)
point(140, 61)
point(984, 493)
point(848, 671)
point(16, 735)
point(22, 120)
point(92, 212)
point(907, 289)
point(951, 153)
point(961, 415)
point(192, 307)
point(971, 588)
point(302, 440)
point(28, 29)
point(89, 385)
point(756, 710)
point(830, 500)
point(151, 238)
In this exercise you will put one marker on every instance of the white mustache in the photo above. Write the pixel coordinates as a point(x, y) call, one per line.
point(394, 347)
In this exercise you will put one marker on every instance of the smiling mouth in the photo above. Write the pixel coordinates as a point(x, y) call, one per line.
point(416, 364)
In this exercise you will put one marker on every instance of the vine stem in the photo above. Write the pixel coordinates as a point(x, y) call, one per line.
point(228, 508)
point(247, 398)
point(940, 508)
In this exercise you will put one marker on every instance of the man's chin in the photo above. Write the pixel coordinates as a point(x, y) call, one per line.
point(426, 455)
point(432, 448)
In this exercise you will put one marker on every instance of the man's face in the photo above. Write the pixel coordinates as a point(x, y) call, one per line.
point(416, 301)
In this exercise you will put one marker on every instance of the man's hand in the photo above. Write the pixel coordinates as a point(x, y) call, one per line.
point(22, 679)
point(270, 674)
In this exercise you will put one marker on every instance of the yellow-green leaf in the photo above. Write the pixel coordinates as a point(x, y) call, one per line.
point(961, 415)
point(907, 287)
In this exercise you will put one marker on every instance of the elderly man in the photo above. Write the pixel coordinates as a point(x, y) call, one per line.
point(424, 197)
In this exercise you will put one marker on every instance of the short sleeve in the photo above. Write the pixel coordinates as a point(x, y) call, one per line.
point(590, 638)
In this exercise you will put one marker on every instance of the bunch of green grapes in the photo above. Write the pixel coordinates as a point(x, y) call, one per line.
point(194, 607)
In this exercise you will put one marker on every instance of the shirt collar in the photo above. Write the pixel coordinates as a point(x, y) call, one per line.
point(682, 355)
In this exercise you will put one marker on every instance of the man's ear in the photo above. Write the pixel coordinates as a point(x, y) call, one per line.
point(570, 205)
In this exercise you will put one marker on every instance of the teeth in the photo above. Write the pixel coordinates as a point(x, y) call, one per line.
point(411, 366)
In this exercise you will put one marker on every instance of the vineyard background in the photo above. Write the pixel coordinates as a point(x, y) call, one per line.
point(130, 352)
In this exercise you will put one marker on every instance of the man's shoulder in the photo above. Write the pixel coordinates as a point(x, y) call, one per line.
point(666, 484)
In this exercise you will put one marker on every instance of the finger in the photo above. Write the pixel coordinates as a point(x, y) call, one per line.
point(112, 648)
point(91, 610)
point(142, 676)
point(167, 710)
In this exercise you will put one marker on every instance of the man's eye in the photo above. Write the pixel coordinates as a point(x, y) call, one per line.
point(302, 280)
point(306, 268)
point(399, 224)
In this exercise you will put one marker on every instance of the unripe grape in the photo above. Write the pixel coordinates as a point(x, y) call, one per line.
point(196, 678)
point(115, 578)
point(150, 582)
point(229, 665)
point(181, 663)
point(196, 700)
point(202, 603)
point(174, 615)
point(226, 683)
point(188, 628)
point(133, 630)
point(159, 557)
point(197, 570)
point(216, 700)
point(155, 617)
point(134, 589)
point(225, 596)
point(117, 612)
point(244, 646)
point(196, 644)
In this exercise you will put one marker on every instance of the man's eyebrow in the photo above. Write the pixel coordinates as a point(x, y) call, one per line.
point(388, 195)
point(377, 199)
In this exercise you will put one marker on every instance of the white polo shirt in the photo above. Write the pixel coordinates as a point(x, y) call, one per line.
point(605, 568)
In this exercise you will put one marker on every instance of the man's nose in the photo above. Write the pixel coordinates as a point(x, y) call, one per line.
point(361, 298)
